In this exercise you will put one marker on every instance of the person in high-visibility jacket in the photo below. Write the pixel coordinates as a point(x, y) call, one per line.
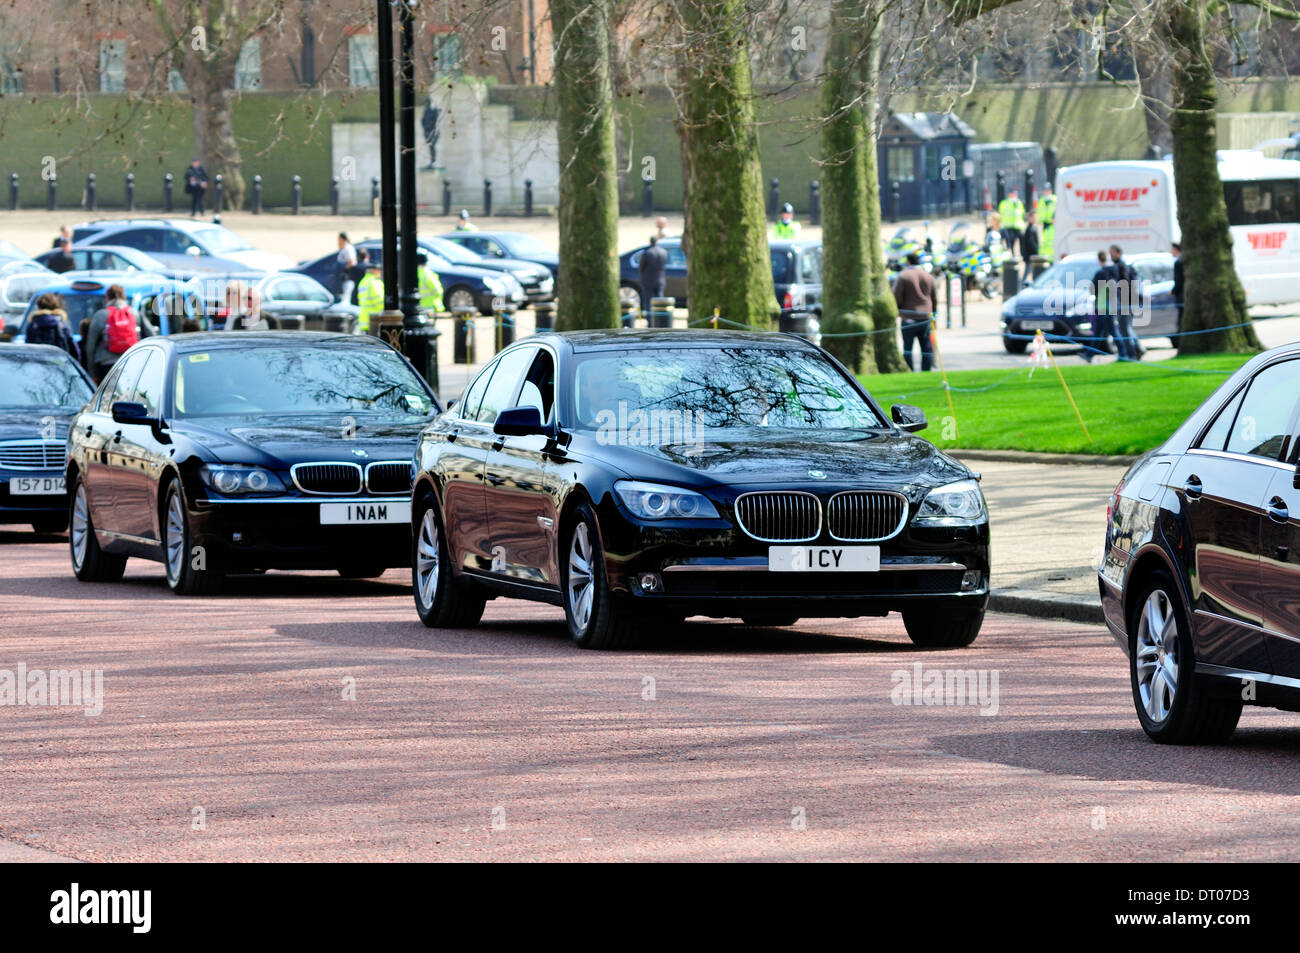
point(370, 296)
point(465, 225)
point(1047, 218)
point(1012, 212)
point(786, 226)
point(429, 287)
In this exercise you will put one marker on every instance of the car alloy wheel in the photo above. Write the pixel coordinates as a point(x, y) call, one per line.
point(461, 299)
point(629, 294)
point(1157, 656)
point(441, 600)
point(175, 537)
point(581, 586)
point(427, 562)
point(89, 562)
point(79, 532)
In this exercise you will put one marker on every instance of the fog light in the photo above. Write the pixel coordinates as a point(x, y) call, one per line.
point(650, 582)
point(972, 579)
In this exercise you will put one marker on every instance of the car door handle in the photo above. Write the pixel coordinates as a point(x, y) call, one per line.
point(117, 437)
point(452, 435)
point(1193, 487)
point(1277, 510)
point(498, 443)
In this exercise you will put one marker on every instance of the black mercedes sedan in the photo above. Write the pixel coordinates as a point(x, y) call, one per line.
point(222, 453)
point(1200, 581)
point(640, 477)
point(43, 388)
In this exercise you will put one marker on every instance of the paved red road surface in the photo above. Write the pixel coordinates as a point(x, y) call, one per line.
point(507, 743)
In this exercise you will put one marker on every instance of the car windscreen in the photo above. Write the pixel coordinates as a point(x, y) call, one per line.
point(282, 379)
point(715, 388)
point(40, 381)
point(453, 252)
point(528, 245)
point(221, 240)
point(1067, 274)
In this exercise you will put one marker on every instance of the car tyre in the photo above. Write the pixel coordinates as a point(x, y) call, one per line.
point(89, 562)
point(939, 629)
point(1173, 705)
point(442, 601)
point(186, 574)
point(50, 524)
point(1014, 345)
point(595, 621)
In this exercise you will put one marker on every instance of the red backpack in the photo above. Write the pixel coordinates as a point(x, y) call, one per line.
point(122, 329)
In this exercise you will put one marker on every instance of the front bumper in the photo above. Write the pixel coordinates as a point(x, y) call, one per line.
point(1065, 330)
point(23, 508)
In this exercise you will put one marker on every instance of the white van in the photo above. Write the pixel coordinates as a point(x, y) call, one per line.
point(1132, 205)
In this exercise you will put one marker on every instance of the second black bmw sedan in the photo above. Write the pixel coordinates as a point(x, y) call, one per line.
point(638, 477)
point(218, 453)
point(1200, 581)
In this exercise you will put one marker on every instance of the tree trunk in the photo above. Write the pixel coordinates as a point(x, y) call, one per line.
point(1152, 64)
point(730, 267)
point(1214, 296)
point(214, 141)
point(587, 286)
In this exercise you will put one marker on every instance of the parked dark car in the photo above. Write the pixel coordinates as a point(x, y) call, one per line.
point(43, 389)
point(796, 273)
point(463, 286)
point(537, 281)
point(1059, 302)
point(218, 453)
point(1200, 581)
point(641, 477)
point(517, 245)
point(183, 245)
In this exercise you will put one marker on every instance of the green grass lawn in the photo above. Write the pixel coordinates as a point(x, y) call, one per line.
point(1129, 408)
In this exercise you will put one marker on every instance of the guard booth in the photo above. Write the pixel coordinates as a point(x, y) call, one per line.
point(914, 151)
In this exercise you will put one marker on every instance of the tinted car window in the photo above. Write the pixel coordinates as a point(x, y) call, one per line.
point(41, 382)
point(176, 243)
point(149, 386)
point(676, 257)
point(125, 383)
point(1261, 425)
point(145, 239)
point(538, 389)
point(1216, 438)
point(501, 389)
point(467, 407)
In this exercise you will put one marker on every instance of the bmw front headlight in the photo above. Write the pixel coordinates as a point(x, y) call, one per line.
point(235, 480)
point(956, 504)
point(495, 285)
point(654, 501)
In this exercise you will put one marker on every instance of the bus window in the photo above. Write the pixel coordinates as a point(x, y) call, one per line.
point(1263, 201)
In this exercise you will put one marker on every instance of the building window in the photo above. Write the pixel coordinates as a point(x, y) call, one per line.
point(248, 68)
point(446, 51)
point(900, 164)
point(363, 61)
point(112, 66)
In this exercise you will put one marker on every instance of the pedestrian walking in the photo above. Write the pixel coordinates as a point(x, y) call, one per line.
point(1103, 325)
point(1047, 219)
point(651, 269)
point(64, 261)
point(65, 235)
point(196, 187)
point(355, 274)
point(429, 285)
point(786, 226)
point(914, 292)
point(1029, 240)
point(1180, 278)
point(343, 265)
point(1012, 212)
point(48, 324)
point(112, 331)
point(1126, 298)
point(661, 227)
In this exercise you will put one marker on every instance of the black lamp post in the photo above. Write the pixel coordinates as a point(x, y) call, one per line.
point(387, 157)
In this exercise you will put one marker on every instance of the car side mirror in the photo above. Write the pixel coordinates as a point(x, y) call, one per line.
point(519, 422)
point(908, 418)
point(193, 251)
point(129, 412)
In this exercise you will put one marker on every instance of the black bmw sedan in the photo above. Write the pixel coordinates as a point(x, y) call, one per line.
point(219, 453)
point(640, 477)
point(41, 389)
point(1200, 581)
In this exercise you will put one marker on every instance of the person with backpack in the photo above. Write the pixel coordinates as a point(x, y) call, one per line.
point(48, 324)
point(112, 331)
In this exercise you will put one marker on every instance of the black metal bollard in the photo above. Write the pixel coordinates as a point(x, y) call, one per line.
point(374, 196)
point(90, 192)
point(814, 202)
point(528, 198)
point(168, 180)
point(297, 195)
point(1029, 189)
point(773, 198)
point(1001, 190)
point(217, 190)
point(505, 325)
point(895, 197)
point(446, 197)
point(130, 191)
point(257, 195)
point(13, 191)
point(52, 193)
point(487, 197)
point(1049, 164)
point(647, 197)
point(334, 195)
point(544, 315)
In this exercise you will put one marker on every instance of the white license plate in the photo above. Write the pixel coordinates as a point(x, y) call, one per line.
point(37, 486)
point(336, 513)
point(823, 558)
point(1038, 325)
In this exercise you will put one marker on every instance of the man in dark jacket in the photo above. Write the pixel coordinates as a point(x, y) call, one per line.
point(651, 267)
point(196, 187)
point(1127, 299)
point(1103, 321)
point(1029, 240)
point(914, 291)
point(63, 261)
point(1180, 279)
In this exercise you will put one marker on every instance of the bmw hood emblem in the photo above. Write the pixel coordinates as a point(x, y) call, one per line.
point(358, 453)
point(817, 474)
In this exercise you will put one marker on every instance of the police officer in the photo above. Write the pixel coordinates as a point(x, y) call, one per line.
point(1047, 219)
point(370, 296)
point(430, 287)
point(465, 225)
point(1012, 212)
point(787, 227)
